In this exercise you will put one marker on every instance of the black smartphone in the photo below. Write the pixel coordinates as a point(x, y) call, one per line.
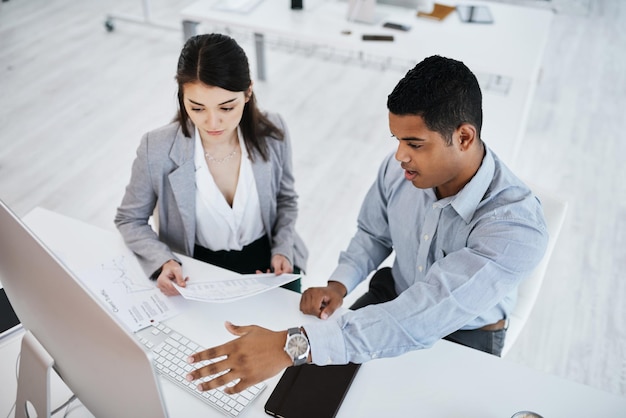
point(9, 321)
point(388, 38)
point(397, 26)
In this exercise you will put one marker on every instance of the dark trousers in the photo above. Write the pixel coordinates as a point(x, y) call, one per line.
point(252, 257)
point(382, 289)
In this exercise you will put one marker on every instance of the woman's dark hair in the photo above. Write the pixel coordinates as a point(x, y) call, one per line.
point(217, 60)
point(443, 92)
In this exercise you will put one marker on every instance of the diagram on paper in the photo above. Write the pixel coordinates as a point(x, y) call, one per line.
point(123, 288)
point(123, 276)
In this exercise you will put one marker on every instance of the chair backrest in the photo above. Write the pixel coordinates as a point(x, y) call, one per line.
point(554, 211)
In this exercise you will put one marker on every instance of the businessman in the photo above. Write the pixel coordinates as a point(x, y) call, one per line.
point(465, 232)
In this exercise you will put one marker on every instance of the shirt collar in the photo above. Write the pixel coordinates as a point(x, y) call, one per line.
point(466, 201)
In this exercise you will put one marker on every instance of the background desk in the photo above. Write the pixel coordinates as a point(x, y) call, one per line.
point(447, 380)
point(506, 55)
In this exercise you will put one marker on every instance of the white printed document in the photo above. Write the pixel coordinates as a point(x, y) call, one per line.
point(126, 291)
point(232, 288)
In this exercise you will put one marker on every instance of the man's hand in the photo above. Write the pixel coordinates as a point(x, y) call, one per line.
point(256, 355)
point(171, 271)
point(323, 301)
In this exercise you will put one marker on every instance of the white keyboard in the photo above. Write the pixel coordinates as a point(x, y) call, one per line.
point(170, 350)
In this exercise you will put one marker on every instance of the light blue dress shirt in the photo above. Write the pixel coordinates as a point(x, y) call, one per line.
point(458, 262)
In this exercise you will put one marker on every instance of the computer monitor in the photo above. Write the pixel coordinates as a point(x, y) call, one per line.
point(100, 362)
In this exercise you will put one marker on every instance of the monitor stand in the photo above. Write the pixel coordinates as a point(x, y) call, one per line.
point(33, 384)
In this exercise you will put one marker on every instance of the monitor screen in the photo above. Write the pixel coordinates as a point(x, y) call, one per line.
point(99, 361)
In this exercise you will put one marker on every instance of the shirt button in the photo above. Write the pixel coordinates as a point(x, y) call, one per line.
point(426, 237)
point(420, 268)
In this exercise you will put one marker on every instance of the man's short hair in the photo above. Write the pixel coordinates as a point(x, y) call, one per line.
point(443, 92)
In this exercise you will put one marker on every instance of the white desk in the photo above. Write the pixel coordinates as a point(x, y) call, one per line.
point(512, 46)
point(445, 381)
point(506, 55)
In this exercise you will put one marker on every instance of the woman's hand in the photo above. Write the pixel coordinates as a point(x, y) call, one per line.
point(281, 265)
point(171, 272)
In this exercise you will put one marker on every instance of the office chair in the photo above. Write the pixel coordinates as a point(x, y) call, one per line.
point(554, 212)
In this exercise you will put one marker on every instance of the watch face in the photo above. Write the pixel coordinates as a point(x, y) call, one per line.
point(297, 345)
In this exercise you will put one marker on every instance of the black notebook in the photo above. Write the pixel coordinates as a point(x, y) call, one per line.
point(311, 391)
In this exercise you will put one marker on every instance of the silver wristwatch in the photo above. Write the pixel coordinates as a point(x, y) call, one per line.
point(297, 346)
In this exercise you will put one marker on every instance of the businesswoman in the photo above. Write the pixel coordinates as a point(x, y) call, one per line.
point(220, 176)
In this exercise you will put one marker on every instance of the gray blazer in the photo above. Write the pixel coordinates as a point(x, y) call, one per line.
point(163, 176)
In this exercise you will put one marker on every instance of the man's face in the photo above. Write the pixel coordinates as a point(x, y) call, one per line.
point(426, 158)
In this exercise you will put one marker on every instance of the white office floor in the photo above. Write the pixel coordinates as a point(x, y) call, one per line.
point(74, 101)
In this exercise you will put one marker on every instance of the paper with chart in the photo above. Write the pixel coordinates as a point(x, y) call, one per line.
point(233, 288)
point(124, 288)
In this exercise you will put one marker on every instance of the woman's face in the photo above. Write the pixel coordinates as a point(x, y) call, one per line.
point(216, 112)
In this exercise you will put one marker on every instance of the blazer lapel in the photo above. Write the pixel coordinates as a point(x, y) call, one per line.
point(183, 183)
point(263, 176)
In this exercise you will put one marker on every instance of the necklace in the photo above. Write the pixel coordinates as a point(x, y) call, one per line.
point(220, 160)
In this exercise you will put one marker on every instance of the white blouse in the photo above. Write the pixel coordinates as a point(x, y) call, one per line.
point(219, 226)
